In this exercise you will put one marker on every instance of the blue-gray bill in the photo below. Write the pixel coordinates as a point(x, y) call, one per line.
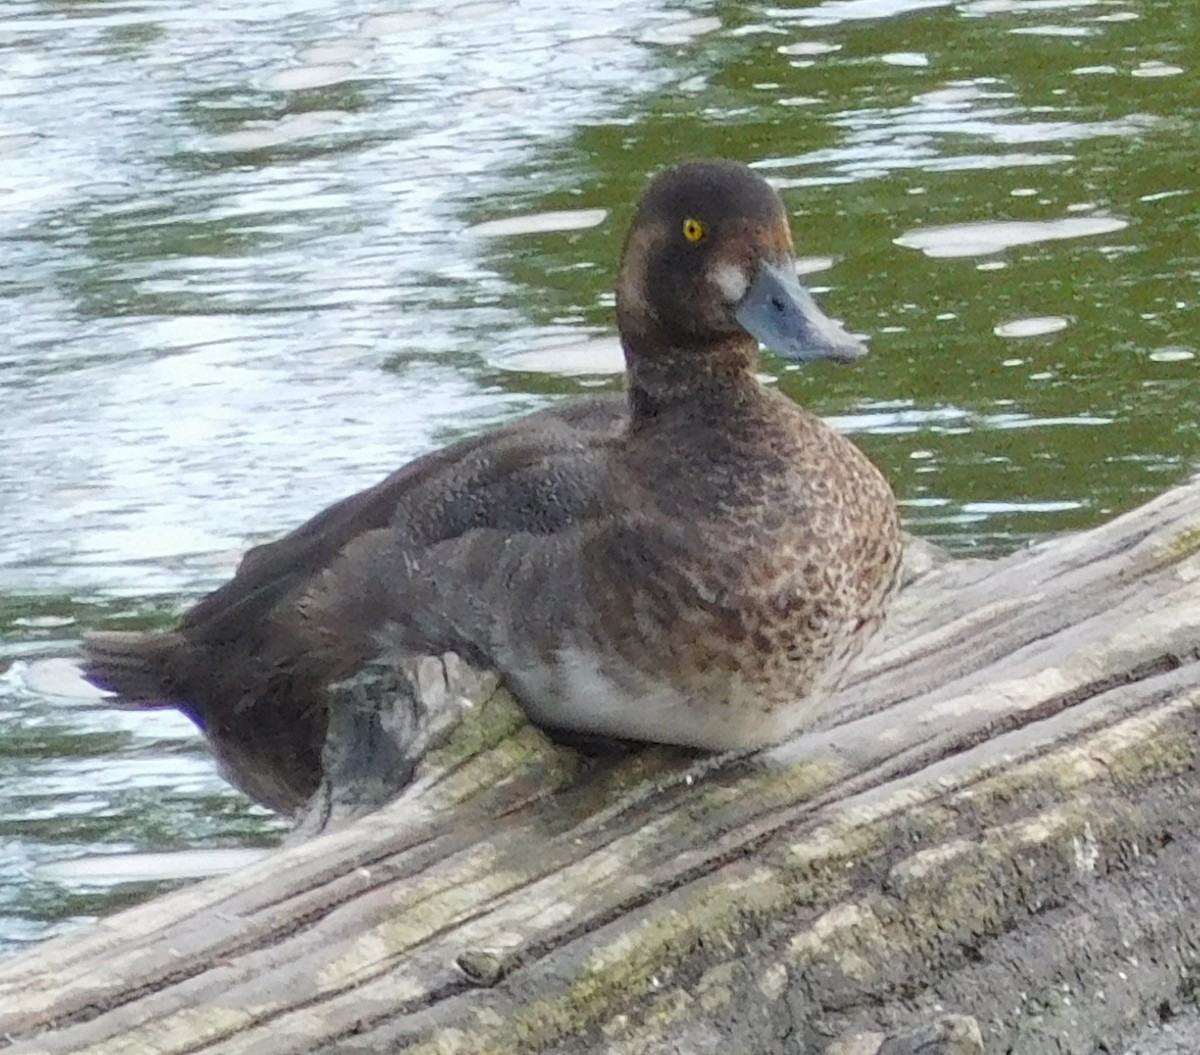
point(782, 315)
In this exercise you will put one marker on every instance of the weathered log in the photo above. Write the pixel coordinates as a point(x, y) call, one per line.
point(996, 817)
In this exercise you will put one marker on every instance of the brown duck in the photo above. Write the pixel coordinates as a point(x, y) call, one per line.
point(688, 564)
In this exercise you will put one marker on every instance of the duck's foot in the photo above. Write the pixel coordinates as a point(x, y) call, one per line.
point(382, 723)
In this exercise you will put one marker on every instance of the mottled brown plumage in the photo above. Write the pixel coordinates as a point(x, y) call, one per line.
point(689, 565)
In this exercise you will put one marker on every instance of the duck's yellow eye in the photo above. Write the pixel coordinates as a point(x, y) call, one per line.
point(693, 229)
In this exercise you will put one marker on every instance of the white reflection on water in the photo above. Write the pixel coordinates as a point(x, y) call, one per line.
point(833, 12)
point(1055, 31)
point(540, 223)
point(1174, 354)
point(1153, 68)
point(1037, 7)
point(979, 238)
point(954, 127)
point(1031, 327)
point(106, 870)
point(901, 418)
point(583, 356)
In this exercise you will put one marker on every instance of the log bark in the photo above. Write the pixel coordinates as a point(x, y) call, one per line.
point(987, 841)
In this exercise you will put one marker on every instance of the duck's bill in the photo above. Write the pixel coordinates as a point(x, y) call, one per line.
point(782, 315)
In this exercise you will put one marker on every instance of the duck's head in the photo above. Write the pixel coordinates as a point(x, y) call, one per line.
point(708, 272)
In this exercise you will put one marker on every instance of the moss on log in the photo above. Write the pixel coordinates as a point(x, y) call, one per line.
point(987, 841)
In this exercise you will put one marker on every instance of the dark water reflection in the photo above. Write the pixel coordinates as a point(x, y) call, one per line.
point(248, 262)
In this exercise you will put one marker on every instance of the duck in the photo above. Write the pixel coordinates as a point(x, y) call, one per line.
point(694, 561)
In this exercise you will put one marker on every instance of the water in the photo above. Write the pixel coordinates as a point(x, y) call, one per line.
point(252, 258)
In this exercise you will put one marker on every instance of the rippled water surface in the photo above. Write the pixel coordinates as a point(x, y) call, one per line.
point(254, 256)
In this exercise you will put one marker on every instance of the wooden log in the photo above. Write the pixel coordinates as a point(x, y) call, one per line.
point(991, 827)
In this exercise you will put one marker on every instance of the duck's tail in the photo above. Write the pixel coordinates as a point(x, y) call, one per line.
point(136, 666)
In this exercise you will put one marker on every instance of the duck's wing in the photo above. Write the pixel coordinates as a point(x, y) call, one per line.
point(438, 496)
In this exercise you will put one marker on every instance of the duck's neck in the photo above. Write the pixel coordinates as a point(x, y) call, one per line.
point(663, 376)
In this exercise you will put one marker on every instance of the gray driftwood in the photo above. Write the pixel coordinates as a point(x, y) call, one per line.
point(988, 842)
